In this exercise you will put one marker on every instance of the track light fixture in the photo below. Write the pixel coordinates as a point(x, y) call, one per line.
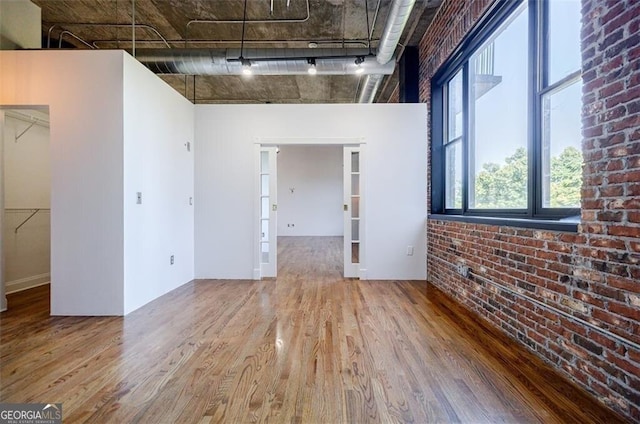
point(312, 66)
point(246, 66)
point(246, 63)
point(359, 60)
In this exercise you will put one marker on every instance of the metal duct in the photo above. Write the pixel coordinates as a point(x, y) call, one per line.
point(263, 61)
point(370, 88)
point(290, 61)
point(398, 16)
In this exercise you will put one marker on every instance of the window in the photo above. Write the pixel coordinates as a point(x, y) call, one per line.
point(453, 143)
point(506, 130)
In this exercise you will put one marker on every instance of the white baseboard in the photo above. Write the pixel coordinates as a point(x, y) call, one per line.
point(27, 283)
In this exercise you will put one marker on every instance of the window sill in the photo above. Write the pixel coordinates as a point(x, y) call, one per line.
point(539, 224)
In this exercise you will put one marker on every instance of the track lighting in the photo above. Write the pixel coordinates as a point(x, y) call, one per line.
point(246, 66)
point(359, 60)
point(246, 63)
point(312, 66)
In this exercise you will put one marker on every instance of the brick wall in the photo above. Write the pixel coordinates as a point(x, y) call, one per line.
point(593, 275)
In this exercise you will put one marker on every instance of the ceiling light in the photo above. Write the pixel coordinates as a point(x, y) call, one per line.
point(246, 66)
point(358, 61)
point(312, 67)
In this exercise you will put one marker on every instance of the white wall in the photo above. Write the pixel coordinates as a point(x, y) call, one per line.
point(27, 253)
point(28, 163)
point(394, 190)
point(84, 92)
point(115, 129)
point(158, 123)
point(310, 191)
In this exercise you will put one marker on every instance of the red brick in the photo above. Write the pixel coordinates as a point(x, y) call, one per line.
point(624, 177)
point(592, 131)
point(612, 13)
point(624, 311)
point(611, 216)
point(633, 80)
point(607, 243)
point(624, 231)
point(593, 228)
point(626, 123)
point(611, 190)
point(608, 317)
point(612, 89)
point(615, 165)
point(572, 238)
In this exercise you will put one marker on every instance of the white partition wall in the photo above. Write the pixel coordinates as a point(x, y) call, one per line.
point(116, 129)
point(83, 90)
point(394, 192)
point(158, 163)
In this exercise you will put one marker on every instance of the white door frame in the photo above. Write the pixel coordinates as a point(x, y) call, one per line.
point(351, 269)
point(260, 142)
point(269, 269)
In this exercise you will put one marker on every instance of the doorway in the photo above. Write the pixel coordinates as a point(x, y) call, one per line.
point(309, 190)
point(25, 200)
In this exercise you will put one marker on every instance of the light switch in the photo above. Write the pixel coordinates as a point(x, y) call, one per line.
point(139, 198)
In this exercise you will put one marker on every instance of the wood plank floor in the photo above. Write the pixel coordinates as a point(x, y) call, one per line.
point(308, 347)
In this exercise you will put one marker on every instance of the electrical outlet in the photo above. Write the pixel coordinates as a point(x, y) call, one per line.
point(171, 260)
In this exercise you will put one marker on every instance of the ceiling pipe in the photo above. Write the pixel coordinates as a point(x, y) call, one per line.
point(262, 61)
point(370, 88)
point(397, 20)
point(343, 61)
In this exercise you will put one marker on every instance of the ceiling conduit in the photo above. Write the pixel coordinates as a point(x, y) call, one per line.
point(262, 61)
point(290, 61)
point(398, 16)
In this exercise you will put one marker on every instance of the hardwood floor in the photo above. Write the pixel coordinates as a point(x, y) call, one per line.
point(307, 347)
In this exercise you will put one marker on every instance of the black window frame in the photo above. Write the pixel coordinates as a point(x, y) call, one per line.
point(538, 55)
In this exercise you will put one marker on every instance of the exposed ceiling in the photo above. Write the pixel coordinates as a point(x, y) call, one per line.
point(178, 24)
